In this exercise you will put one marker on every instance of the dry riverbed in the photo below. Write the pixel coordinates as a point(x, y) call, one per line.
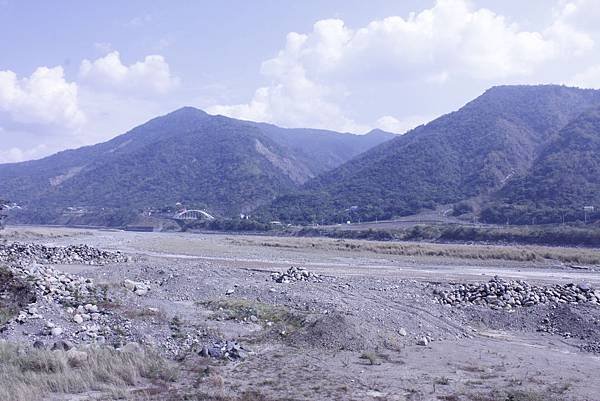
point(223, 318)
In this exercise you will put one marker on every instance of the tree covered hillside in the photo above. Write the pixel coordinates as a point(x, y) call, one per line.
point(467, 153)
point(225, 165)
point(563, 180)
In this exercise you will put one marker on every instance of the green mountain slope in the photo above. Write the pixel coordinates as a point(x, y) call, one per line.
point(226, 165)
point(468, 153)
point(564, 178)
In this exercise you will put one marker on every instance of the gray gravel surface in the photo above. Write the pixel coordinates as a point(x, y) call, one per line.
point(364, 326)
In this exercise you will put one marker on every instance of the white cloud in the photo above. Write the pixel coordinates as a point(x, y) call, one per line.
point(103, 47)
point(293, 101)
point(15, 155)
point(44, 113)
point(153, 75)
point(582, 14)
point(139, 21)
point(313, 75)
point(590, 78)
point(43, 98)
point(400, 126)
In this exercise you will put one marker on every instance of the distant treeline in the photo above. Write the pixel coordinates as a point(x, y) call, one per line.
point(234, 225)
point(556, 236)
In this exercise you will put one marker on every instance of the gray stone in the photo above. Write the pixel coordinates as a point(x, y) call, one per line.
point(62, 345)
point(423, 341)
point(215, 352)
point(56, 331)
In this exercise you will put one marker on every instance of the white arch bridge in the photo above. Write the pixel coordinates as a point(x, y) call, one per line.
point(193, 215)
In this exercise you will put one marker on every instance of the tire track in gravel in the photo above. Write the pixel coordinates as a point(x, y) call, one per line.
point(421, 314)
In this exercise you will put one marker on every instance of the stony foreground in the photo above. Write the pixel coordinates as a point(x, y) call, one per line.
point(235, 328)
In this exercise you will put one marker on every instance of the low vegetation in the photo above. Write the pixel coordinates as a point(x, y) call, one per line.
point(30, 374)
point(242, 309)
point(235, 225)
point(519, 395)
point(569, 235)
point(524, 253)
point(462, 155)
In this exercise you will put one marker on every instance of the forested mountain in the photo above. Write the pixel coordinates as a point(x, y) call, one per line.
point(226, 165)
point(520, 153)
point(563, 180)
point(469, 153)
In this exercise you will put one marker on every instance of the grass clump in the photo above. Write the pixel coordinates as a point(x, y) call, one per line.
point(520, 395)
point(371, 358)
point(30, 374)
point(243, 309)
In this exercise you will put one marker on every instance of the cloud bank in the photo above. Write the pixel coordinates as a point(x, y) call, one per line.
point(150, 75)
point(312, 75)
point(45, 112)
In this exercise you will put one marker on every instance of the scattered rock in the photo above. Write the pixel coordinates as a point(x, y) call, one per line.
point(36, 253)
point(501, 294)
point(56, 331)
point(294, 274)
point(224, 350)
point(137, 287)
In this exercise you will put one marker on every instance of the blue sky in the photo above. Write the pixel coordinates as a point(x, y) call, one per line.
point(74, 73)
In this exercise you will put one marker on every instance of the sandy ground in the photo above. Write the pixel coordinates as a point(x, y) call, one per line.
point(353, 335)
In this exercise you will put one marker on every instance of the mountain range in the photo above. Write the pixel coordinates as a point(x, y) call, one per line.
point(515, 153)
point(225, 165)
point(510, 134)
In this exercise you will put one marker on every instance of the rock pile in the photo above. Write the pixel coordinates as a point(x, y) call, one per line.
point(294, 274)
point(498, 293)
point(37, 253)
point(224, 350)
point(137, 287)
point(54, 285)
point(57, 292)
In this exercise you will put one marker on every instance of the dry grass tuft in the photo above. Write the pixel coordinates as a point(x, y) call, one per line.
point(242, 309)
point(522, 253)
point(30, 374)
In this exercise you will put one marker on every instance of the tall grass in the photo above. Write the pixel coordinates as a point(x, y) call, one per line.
point(522, 253)
point(30, 374)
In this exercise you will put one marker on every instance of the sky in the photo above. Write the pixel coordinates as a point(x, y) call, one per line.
point(75, 73)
